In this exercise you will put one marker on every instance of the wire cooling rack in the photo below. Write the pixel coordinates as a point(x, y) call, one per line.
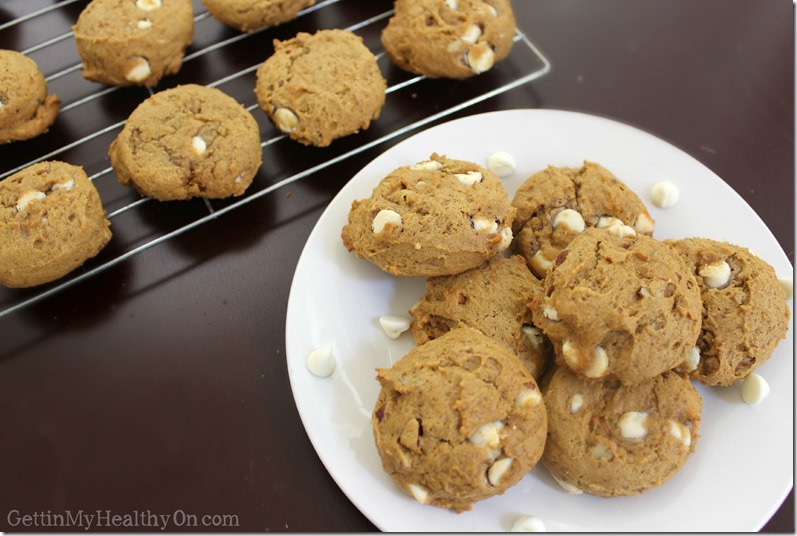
point(92, 115)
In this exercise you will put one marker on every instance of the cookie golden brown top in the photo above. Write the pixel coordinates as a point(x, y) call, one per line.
point(317, 88)
point(26, 110)
point(251, 15)
point(437, 217)
point(449, 38)
point(619, 306)
point(745, 314)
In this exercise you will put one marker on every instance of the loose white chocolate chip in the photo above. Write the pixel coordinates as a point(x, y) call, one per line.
point(501, 163)
point(472, 34)
point(608, 221)
point(321, 362)
point(550, 313)
point(568, 487)
point(788, 284)
point(393, 326)
point(198, 145)
point(506, 238)
point(600, 362)
point(137, 69)
point(664, 194)
point(632, 424)
point(480, 58)
point(148, 5)
point(541, 263)
point(576, 403)
point(420, 494)
point(488, 435)
point(385, 217)
point(692, 361)
point(716, 274)
point(570, 219)
point(754, 389)
point(497, 470)
point(470, 178)
point(528, 524)
point(66, 185)
point(644, 224)
point(483, 224)
point(622, 231)
point(528, 397)
point(27, 197)
point(144, 24)
point(427, 165)
point(285, 120)
point(681, 433)
point(533, 334)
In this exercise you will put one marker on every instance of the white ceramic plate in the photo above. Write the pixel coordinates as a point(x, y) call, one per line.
point(744, 460)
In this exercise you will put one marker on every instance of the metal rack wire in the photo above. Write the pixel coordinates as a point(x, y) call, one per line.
point(93, 114)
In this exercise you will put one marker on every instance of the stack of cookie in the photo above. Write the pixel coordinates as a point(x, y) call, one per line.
point(613, 323)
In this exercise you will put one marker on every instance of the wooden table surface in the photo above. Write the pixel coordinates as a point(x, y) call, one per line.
point(160, 383)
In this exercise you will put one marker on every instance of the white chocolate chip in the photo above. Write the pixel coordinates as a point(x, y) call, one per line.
point(480, 58)
point(483, 224)
point(285, 120)
point(492, 10)
point(2, 104)
point(608, 221)
point(550, 313)
point(568, 487)
point(644, 224)
point(576, 403)
point(497, 470)
point(27, 197)
point(501, 163)
point(528, 524)
point(600, 362)
point(528, 397)
point(472, 34)
point(715, 275)
point(451, 4)
point(645, 293)
point(754, 389)
point(692, 361)
point(533, 334)
point(632, 424)
point(137, 69)
point(622, 231)
point(600, 452)
point(427, 165)
point(393, 326)
point(144, 24)
point(148, 5)
point(321, 362)
point(198, 145)
point(470, 178)
point(681, 433)
point(788, 284)
point(488, 435)
point(570, 219)
point(420, 494)
point(65, 185)
point(664, 194)
point(385, 217)
point(506, 238)
point(540, 263)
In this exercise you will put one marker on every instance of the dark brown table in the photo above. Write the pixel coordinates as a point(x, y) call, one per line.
point(160, 383)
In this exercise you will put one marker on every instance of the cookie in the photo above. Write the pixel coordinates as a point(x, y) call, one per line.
point(458, 420)
point(317, 88)
point(26, 110)
point(449, 38)
point(557, 203)
point(491, 298)
point(251, 15)
point(619, 306)
point(188, 141)
point(745, 314)
point(437, 217)
point(133, 42)
point(610, 440)
point(51, 222)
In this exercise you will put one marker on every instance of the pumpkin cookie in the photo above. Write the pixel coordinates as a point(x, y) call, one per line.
point(745, 314)
point(491, 298)
point(317, 88)
point(251, 15)
point(188, 141)
point(133, 42)
point(26, 110)
point(619, 305)
point(557, 203)
point(609, 439)
point(51, 222)
point(437, 217)
point(458, 420)
point(449, 38)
